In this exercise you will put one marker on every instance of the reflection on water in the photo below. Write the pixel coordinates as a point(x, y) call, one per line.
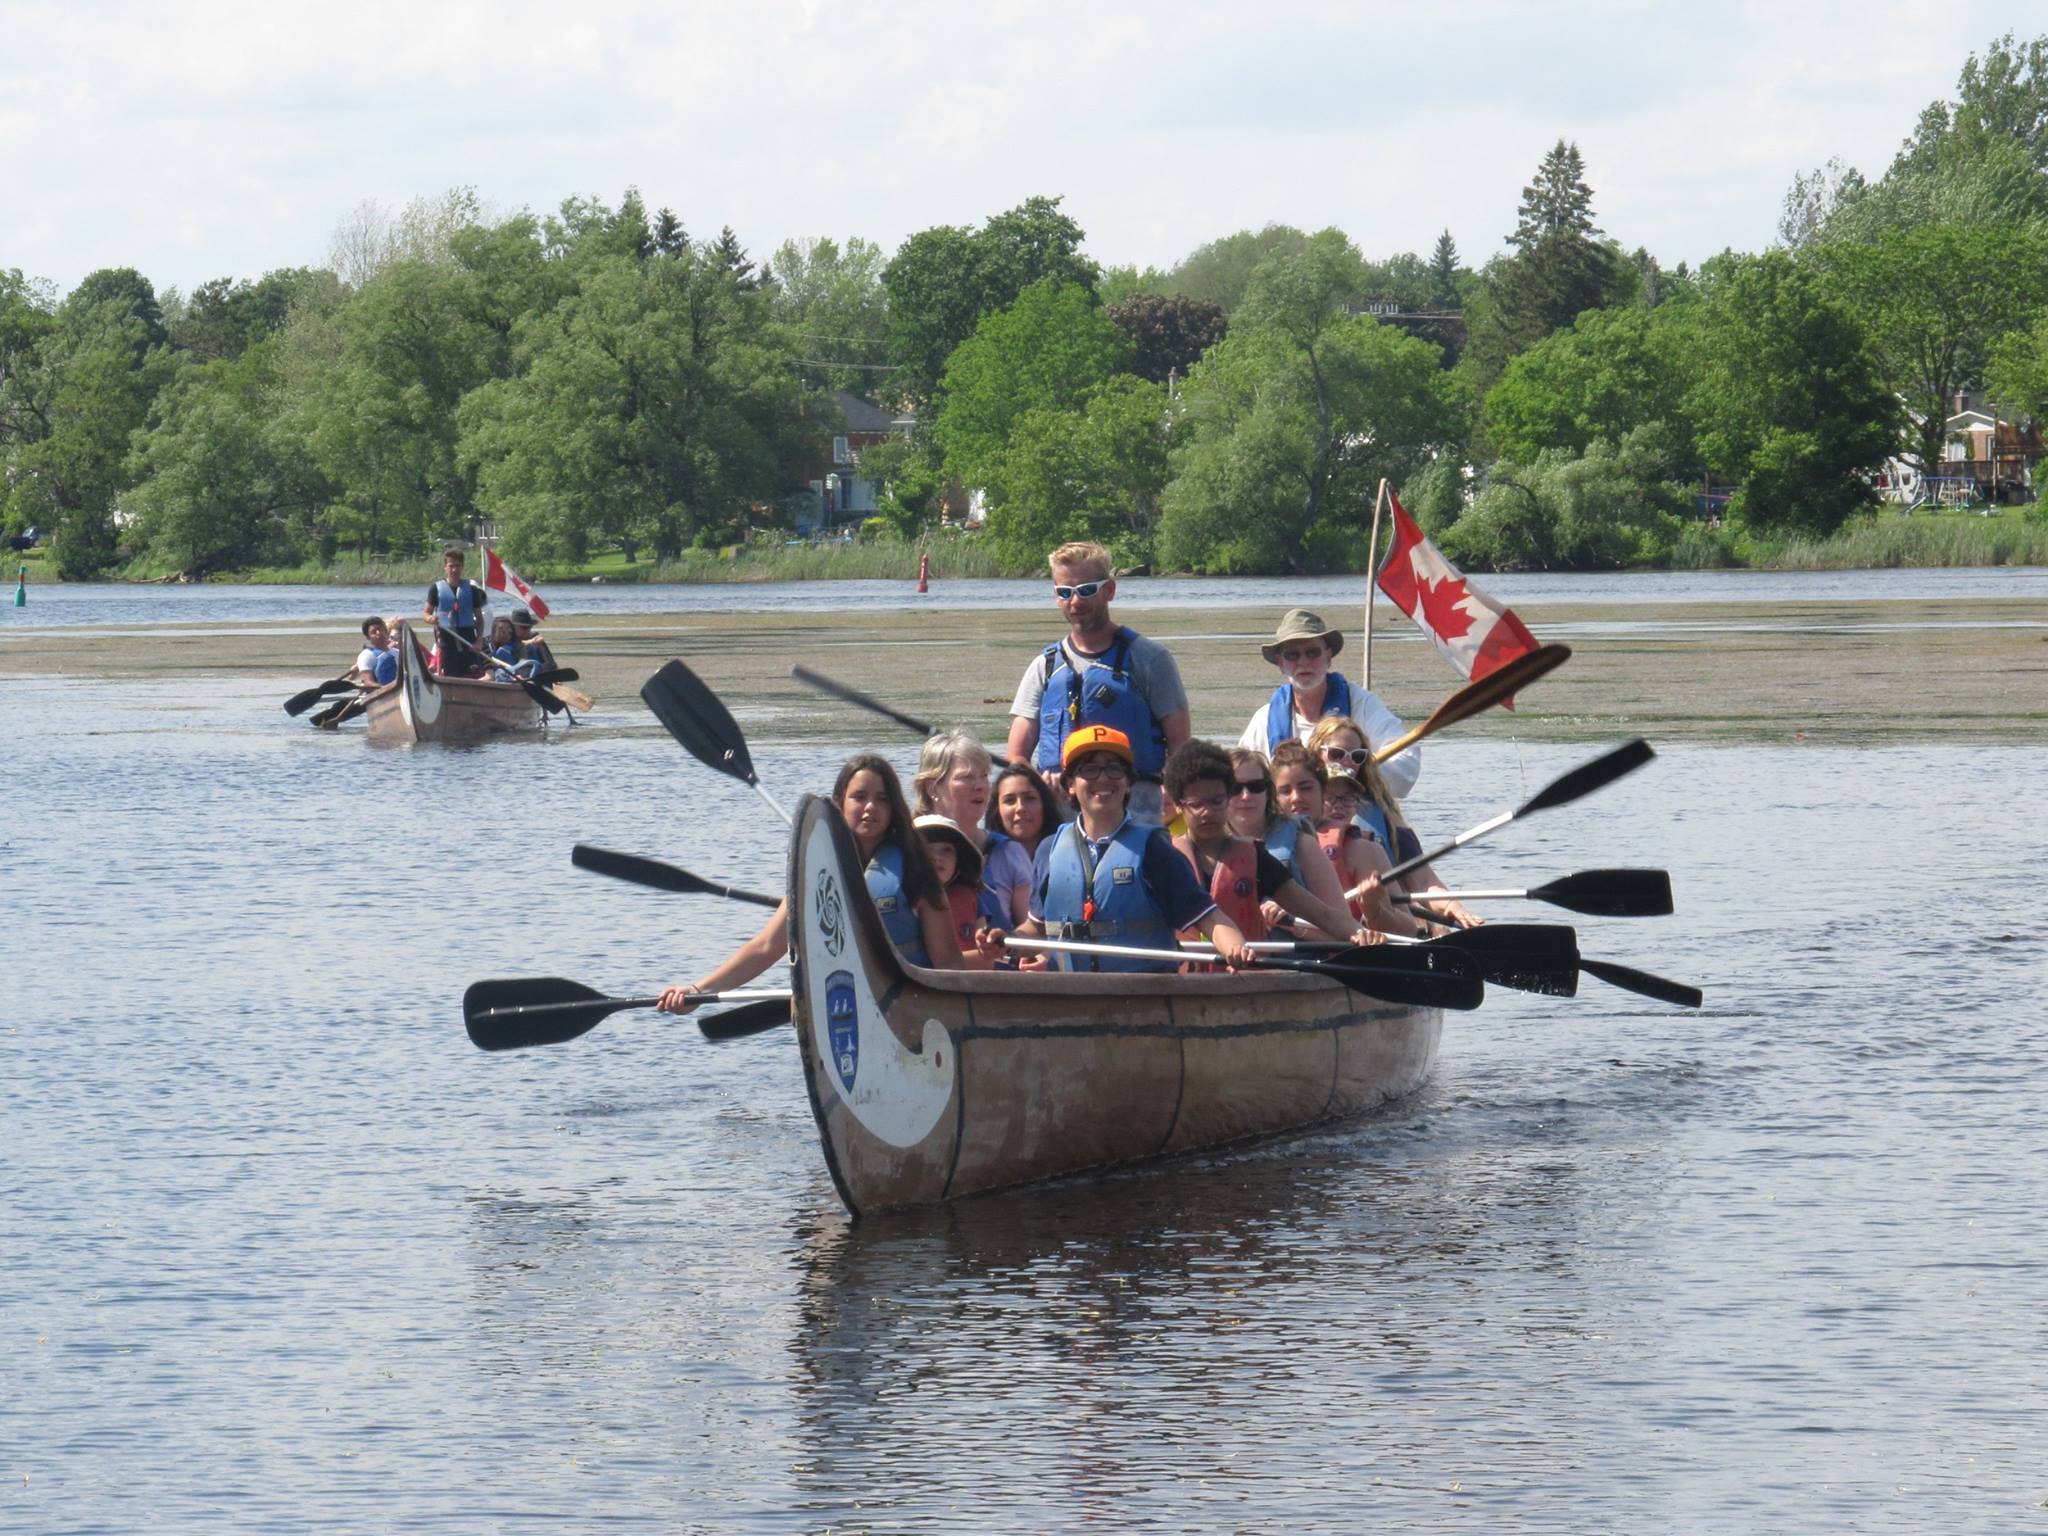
point(284, 1250)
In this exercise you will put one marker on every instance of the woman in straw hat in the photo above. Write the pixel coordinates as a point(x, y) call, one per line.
point(1302, 648)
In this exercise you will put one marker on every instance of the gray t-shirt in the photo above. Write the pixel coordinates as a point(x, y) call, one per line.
point(1152, 671)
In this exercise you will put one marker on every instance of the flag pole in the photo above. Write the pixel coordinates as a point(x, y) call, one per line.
point(1372, 564)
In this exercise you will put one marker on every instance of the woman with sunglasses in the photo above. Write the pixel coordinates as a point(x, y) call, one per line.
point(1340, 747)
point(1255, 813)
point(1309, 691)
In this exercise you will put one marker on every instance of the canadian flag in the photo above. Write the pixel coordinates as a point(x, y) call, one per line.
point(500, 577)
point(1476, 634)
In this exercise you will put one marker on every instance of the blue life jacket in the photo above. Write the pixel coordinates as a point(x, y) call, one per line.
point(456, 609)
point(1102, 693)
point(1283, 841)
point(899, 913)
point(385, 668)
point(1126, 912)
point(1374, 820)
point(1280, 708)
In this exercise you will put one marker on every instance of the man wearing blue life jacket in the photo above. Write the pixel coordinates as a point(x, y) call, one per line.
point(1302, 649)
point(1102, 673)
point(1104, 879)
point(456, 604)
point(377, 663)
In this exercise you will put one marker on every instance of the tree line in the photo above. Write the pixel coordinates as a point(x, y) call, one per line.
point(599, 378)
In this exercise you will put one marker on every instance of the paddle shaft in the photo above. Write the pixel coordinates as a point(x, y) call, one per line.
point(619, 1005)
point(860, 700)
point(660, 876)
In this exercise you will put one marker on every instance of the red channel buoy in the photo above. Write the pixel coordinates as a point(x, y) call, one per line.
point(924, 573)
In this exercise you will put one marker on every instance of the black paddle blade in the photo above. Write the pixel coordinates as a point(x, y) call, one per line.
point(557, 675)
point(1611, 893)
point(299, 703)
point(859, 700)
point(338, 713)
point(1526, 957)
point(1587, 777)
point(486, 1005)
point(1394, 974)
point(1631, 980)
point(659, 876)
point(695, 717)
point(747, 1019)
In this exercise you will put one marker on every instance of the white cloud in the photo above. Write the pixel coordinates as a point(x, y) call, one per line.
point(231, 137)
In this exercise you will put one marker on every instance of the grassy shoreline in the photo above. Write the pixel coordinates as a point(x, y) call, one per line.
point(1887, 541)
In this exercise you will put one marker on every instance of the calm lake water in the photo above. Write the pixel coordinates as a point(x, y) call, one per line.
point(58, 605)
point(282, 1251)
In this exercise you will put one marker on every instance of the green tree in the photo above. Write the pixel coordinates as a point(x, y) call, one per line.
point(1095, 473)
point(1292, 419)
point(1558, 269)
point(1445, 274)
point(830, 298)
point(1609, 372)
point(2002, 97)
point(655, 402)
point(1934, 301)
point(943, 280)
point(1611, 506)
point(218, 480)
point(1169, 332)
point(1049, 350)
point(1120, 283)
point(1788, 400)
point(1218, 273)
point(2017, 375)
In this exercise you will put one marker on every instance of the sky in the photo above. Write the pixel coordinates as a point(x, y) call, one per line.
point(194, 139)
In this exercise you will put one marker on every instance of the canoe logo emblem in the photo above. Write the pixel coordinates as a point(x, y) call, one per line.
point(842, 1024)
point(831, 913)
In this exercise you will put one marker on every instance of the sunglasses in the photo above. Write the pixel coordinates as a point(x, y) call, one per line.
point(1356, 756)
point(1086, 589)
point(1251, 786)
point(1295, 653)
point(1205, 803)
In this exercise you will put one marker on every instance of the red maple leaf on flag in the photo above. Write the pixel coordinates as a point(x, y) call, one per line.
point(1440, 606)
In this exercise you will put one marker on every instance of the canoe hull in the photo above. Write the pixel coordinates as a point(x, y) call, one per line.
point(424, 707)
point(932, 1085)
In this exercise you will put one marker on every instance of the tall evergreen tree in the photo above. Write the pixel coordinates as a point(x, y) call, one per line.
point(729, 253)
point(1559, 266)
point(669, 237)
point(1443, 273)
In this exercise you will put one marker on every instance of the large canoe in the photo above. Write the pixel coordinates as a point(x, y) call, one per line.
point(930, 1085)
point(424, 706)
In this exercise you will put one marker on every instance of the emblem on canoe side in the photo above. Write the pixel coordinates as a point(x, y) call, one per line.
point(422, 693)
point(842, 1024)
point(831, 913)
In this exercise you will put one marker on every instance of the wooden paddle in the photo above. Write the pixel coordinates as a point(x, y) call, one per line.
point(1577, 784)
point(513, 1013)
point(697, 719)
point(1438, 979)
point(1595, 892)
point(660, 876)
point(300, 702)
point(1480, 695)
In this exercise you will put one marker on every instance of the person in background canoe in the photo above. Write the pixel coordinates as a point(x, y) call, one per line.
point(1255, 813)
point(952, 781)
point(957, 863)
point(377, 663)
point(1240, 875)
point(1101, 673)
point(1302, 648)
point(1022, 809)
point(537, 649)
point(1357, 800)
point(513, 662)
point(457, 604)
point(900, 879)
point(1107, 879)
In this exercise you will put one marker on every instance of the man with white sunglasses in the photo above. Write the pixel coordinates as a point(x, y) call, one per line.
point(1101, 673)
point(1302, 649)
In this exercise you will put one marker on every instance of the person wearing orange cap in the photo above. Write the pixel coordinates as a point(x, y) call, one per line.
point(1105, 879)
